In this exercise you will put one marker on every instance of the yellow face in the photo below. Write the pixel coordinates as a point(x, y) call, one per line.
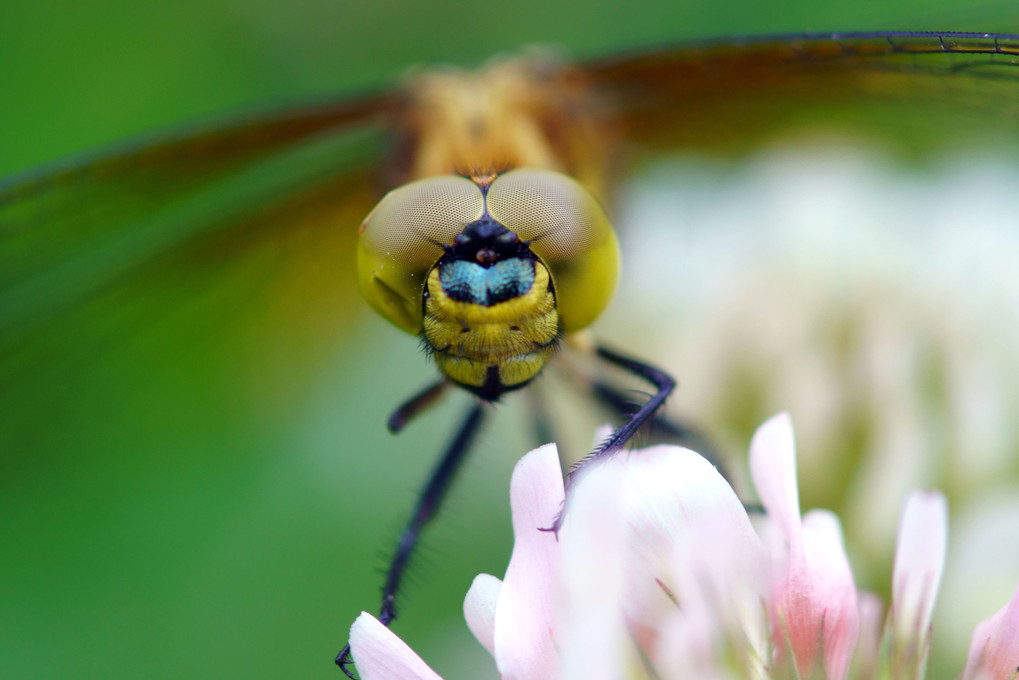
point(554, 273)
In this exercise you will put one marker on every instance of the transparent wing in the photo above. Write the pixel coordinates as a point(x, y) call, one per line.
point(148, 287)
point(68, 230)
point(199, 146)
point(918, 92)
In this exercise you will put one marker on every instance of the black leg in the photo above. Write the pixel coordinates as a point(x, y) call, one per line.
point(657, 377)
point(426, 508)
point(663, 429)
point(669, 430)
point(415, 405)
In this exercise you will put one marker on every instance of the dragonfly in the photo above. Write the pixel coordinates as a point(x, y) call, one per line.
point(216, 247)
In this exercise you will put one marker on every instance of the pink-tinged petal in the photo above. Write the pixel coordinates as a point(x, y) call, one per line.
point(720, 579)
point(816, 601)
point(667, 494)
point(994, 647)
point(593, 636)
point(721, 573)
point(919, 564)
point(773, 468)
point(381, 655)
point(524, 614)
point(479, 609)
point(814, 597)
point(920, 558)
point(689, 646)
point(868, 647)
point(685, 537)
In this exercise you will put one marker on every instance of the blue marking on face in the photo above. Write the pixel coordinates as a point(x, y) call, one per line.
point(467, 281)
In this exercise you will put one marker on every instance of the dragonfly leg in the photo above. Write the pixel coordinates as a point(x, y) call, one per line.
point(663, 429)
point(415, 405)
point(427, 507)
point(675, 432)
point(664, 384)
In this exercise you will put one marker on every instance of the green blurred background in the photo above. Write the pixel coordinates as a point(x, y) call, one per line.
point(145, 535)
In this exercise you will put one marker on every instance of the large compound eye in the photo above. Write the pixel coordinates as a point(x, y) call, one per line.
point(402, 239)
point(568, 229)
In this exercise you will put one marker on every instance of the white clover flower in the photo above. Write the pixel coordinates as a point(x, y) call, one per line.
point(659, 572)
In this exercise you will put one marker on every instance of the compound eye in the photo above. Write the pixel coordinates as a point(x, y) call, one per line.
point(555, 212)
point(403, 237)
point(411, 223)
point(568, 229)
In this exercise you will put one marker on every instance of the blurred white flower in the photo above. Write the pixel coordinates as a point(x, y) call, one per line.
point(659, 572)
point(875, 301)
